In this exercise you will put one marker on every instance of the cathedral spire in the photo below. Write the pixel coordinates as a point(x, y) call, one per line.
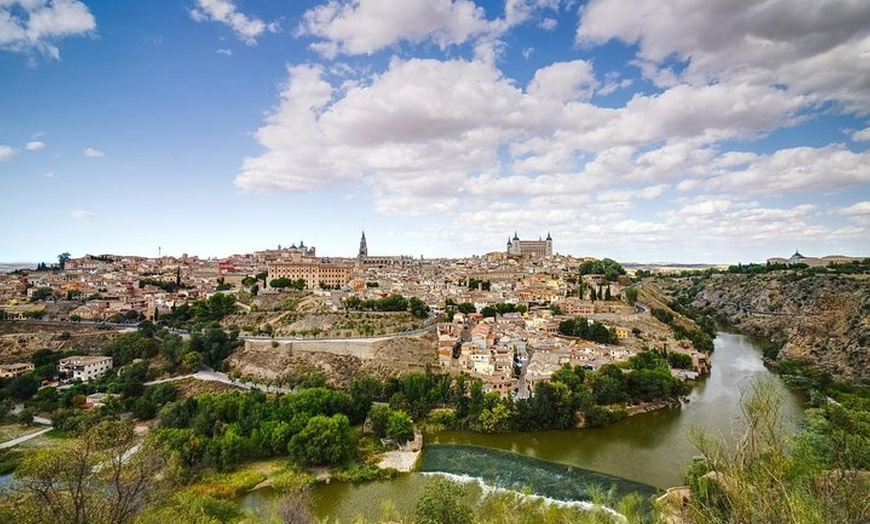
point(363, 248)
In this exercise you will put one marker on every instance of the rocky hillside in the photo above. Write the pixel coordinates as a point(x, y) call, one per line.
point(820, 318)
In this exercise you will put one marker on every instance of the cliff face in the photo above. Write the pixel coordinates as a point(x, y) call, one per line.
point(820, 318)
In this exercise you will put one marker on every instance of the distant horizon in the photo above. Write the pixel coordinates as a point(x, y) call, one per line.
point(53, 260)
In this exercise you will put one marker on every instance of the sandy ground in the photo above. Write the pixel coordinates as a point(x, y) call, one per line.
point(402, 461)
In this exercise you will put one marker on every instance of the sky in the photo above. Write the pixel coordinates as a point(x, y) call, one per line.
point(693, 131)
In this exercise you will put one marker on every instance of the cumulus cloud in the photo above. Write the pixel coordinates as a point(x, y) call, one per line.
point(366, 26)
point(82, 214)
point(818, 49)
point(247, 28)
point(7, 152)
point(36, 25)
point(363, 27)
point(830, 168)
point(227, 52)
point(857, 209)
point(564, 81)
point(34, 145)
point(862, 135)
point(450, 131)
point(93, 153)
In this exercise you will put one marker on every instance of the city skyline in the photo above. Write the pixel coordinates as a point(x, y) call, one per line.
point(703, 132)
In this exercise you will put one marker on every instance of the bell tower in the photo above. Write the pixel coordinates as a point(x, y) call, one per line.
point(363, 248)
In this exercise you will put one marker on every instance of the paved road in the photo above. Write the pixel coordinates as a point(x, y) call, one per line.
point(217, 376)
point(25, 438)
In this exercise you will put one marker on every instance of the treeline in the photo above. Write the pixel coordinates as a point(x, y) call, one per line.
point(570, 396)
point(581, 327)
point(394, 303)
point(319, 426)
point(607, 267)
point(312, 427)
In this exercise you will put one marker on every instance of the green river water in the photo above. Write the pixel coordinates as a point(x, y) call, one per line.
point(646, 452)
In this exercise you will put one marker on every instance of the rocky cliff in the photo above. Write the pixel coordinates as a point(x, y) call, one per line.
point(820, 318)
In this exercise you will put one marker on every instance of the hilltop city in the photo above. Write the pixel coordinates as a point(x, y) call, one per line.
point(496, 316)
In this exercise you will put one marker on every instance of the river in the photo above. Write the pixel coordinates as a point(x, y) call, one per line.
point(651, 449)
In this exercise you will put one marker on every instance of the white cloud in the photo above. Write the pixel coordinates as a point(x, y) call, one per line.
point(7, 152)
point(82, 214)
point(819, 49)
point(564, 81)
point(34, 145)
point(831, 168)
point(227, 52)
point(93, 153)
point(36, 25)
point(365, 26)
point(862, 135)
point(247, 28)
point(857, 209)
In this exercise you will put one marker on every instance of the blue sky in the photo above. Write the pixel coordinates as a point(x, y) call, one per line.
point(644, 130)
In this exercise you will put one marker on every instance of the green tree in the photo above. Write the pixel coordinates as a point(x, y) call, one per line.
point(380, 417)
point(631, 295)
point(62, 259)
point(400, 427)
point(324, 441)
point(41, 293)
point(466, 308)
point(443, 502)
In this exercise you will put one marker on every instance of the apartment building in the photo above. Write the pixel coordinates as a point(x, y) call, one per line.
point(85, 367)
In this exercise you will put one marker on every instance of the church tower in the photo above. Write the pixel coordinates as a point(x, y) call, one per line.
point(363, 248)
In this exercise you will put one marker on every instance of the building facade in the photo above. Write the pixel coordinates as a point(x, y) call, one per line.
point(534, 248)
point(314, 271)
point(84, 368)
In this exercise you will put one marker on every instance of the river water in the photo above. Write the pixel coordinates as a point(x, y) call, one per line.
point(644, 452)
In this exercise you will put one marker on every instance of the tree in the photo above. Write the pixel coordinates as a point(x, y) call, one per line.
point(489, 311)
point(62, 259)
point(41, 293)
point(263, 275)
point(466, 308)
point(631, 294)
point(443, 502)
point(324, 441)
point(400, 427)
point(380, 418)
point(96, 479)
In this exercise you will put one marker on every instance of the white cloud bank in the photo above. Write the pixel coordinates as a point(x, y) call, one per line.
point(36, 25)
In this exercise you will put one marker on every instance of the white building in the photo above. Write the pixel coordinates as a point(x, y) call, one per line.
point(84, 368)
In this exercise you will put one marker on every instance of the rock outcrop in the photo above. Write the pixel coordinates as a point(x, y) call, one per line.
point(823, 319)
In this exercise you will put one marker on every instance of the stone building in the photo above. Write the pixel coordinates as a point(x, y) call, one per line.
point(533, 248)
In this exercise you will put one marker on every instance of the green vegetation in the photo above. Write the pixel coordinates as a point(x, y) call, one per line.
point(284, 283)
point(168, 286)
point(201, 313)
point(606, 267)
point(813, 477)
point(392, 302)
point(702, 339)
point(583, 328)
